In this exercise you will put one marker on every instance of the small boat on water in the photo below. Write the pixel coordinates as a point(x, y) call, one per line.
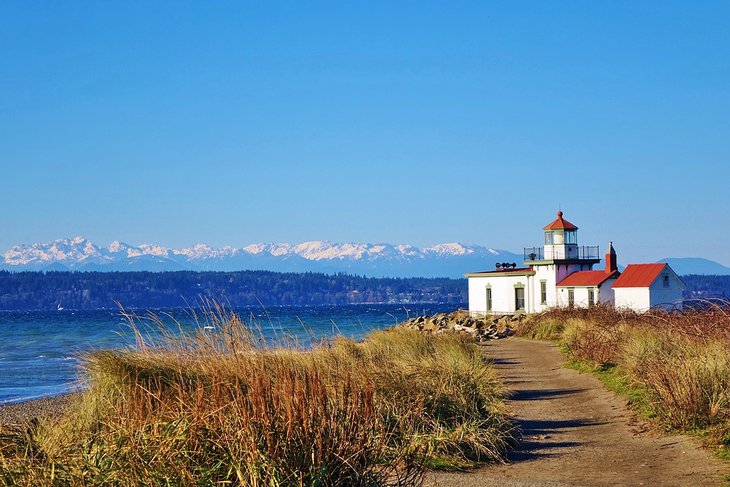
point(59, 307)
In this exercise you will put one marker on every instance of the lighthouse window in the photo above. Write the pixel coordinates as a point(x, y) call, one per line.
point(549, 238)
point(571, 237)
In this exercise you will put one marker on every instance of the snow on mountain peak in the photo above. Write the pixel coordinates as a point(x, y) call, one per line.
point(279, 249)
point(256, 248)
point(116, 246)
point(453, 248)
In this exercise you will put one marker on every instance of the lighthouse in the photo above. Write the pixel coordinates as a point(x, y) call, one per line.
point(560, 274)
point(533, 287)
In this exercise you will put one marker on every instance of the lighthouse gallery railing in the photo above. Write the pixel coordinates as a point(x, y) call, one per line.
point(584, 252)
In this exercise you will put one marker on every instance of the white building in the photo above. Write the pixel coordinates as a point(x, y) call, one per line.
point(561, 274)
point(644, 286)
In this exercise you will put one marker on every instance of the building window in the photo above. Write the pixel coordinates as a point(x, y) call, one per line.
point(543, 292)
point(519, 298)
point(489, 299)
point(548, 238)
point(571, 297)
point(591, 298)
point(571, 237)
point(666, 281)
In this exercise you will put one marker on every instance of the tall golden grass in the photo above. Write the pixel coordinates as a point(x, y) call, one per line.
point(679, 359)
point(221, 407)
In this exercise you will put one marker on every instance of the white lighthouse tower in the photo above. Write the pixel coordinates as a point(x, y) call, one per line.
point(557, 259)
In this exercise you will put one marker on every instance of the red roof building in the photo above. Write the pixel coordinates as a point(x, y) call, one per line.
point(639, 275)
point(587, 278)
point(642, 287)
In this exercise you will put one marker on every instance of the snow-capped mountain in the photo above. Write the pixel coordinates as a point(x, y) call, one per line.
point(447, 259)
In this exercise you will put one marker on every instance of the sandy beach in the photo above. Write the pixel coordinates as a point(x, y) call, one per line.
point(22, 412)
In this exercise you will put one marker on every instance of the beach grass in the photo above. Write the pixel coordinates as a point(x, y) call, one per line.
point(221, 406)
point(673, 367)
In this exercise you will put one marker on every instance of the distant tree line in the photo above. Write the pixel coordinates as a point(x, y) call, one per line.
point(99, 290)
point(706, 287)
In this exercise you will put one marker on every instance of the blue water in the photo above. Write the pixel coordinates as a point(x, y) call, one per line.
point(40, 351)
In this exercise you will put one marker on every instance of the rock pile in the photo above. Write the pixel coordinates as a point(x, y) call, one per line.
point(480, 328)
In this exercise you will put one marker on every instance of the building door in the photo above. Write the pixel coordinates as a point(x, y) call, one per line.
point(519, 298)
point(489, 299)
point(571, 297)
point(591, 298)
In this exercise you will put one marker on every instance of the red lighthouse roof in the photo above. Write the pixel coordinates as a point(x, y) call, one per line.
point(560, 224)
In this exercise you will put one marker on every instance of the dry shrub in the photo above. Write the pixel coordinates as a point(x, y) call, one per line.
point(595, 341)
point(688, 379)
point(222, 406)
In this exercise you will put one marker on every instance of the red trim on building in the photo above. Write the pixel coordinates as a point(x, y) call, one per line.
point(639, 275)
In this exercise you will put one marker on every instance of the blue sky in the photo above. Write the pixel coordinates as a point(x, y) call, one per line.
point(401, 122)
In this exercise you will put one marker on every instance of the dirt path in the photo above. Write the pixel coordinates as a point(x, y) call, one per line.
point(577, 433)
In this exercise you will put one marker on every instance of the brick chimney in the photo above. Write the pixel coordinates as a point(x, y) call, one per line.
point(611, 264)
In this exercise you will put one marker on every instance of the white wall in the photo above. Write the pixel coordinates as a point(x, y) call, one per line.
point(560, 251)
point(580, 296)
point(503, 293)
point(636, 298)
point(542, 273)
point(605, 292)
point(667, 297)
point(601, 294)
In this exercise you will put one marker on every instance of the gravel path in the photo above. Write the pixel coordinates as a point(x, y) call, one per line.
point(576, 433)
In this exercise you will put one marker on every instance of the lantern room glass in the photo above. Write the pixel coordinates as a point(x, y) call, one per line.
point(571, 237)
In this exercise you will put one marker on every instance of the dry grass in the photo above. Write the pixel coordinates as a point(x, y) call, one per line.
point(222, 407)
point(679, 360)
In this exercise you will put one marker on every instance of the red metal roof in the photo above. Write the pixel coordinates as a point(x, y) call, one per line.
point(560, 224)
point(587, 278)
point(639, 275)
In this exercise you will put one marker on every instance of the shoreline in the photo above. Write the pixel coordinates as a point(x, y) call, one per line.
point(22, 413)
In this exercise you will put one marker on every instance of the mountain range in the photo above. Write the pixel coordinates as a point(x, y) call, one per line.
point(373, 260)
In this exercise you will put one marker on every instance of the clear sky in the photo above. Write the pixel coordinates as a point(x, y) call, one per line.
point(401, 122)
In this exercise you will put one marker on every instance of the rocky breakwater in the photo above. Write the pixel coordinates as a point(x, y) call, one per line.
point(480, 328)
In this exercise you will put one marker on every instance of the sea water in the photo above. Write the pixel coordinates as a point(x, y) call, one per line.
point(41, 351)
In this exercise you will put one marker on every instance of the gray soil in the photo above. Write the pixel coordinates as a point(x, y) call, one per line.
point(576, 433)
